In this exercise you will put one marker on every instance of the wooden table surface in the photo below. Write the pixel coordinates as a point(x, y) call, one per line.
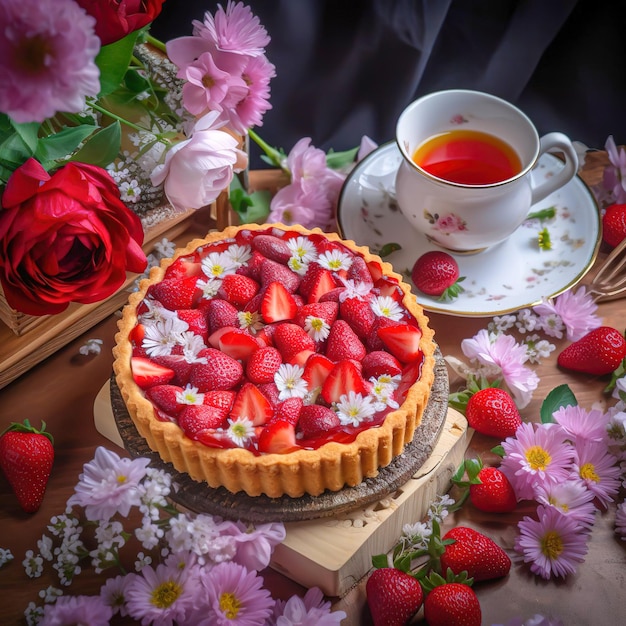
point(61, 390)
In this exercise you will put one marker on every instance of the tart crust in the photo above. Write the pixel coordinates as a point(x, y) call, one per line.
point(330, 467)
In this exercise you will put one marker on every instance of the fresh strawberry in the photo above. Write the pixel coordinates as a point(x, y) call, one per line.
point(272, 248)
point(270, 391)
point(26, 458)
point(436, 273)
point(452, 604)
point(359, 314)
point(251, 403)
point(288, 410)
point(614, 224)
point(214, 338)
point(344, 343)
point(175, 293)
point(379, 362)
point(402, 340)
point(278, 437)
point(220, 399)
point(359, 272)
point(220, 314)
point(494, 493)
point(290, 339)
point(238, 289)
point(474, 553)
point(165, 397)
point(393, 596)
point(343, 378)
point(196, 417)
point(219, 372)
point(373, 341)
point(238, 344)
point(253, 267)
point(178, 364)
point(410, 373)
point(316, 370)
point(599, 352)
point(183, 267)
point(278, 304)
point(322, 284)
point(147, 373)
point(263, 364)
point(326, 311)
point(274, 272)
point(316, 419)
point(492, 412)
point(196, 319)
point(137, 334)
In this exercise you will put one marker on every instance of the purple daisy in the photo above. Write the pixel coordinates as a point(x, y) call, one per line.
point(582, 424)
point(598, 469)
point(113, 593)
point(72, 610)
point(571, 498)
point(552, 544)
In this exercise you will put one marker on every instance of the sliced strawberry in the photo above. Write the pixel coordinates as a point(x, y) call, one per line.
point(221, 399)
point(326, 311)
point(238, 344)
point(373, 341)
point(359, 314)
point(272, 248)
point(270, 391)
point(196, 417)
point(278, 304)
point(178, 363)
point(251, 403)
point(183, 267)
point(288, 410)
point(196, 319)
point(137, 334)
point(379, 362)
point(176, 293)
point(214, 337)
point(263, 364)
point(238, 289)
point(316, 370)
point(274, 272)
point(164, 397)
point(316, 419)
point(147, 373)
point(323, 283)
point(403, 341)
point(410, 374)
point(333, 295)
point(220, 313)
point(219, 372)
point(300, 358)
point(213, 438)
point(343, 378)
point(388, 286)
point(290, 339)
point(375, 269)
point(344, 343)
point(278, 437)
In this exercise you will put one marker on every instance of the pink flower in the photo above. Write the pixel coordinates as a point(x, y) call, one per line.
point(553, 544)
point(312, 610)
point(450, 223)
point(113, 594)
point(537, 454)
point(47, 58)
point(72, 610)
point(582, 424)
point(255, 545)
point(598, 469)
point(198, 169)
point(614, 180)
point(571, 498)
point(292, 205)
point(577, 311)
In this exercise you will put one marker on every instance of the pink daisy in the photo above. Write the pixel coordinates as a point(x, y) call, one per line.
point(72, 610)
point(113, 593)
point(553, 544)
point(312, 610)
point(537, 454)
point(571, 498)
point(234, 597)
point(47, 58)
point(254, 545)
point(598, 469)
point(579, 423)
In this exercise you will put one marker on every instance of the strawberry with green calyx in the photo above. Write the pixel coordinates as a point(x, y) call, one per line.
point(436, 273)
point(488, 488)
point(450, 602)
point(26, 458)
point(601, 351)
point(393, 596)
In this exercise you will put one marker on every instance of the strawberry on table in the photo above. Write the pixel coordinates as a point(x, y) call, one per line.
point(599, 352)
point(452, 604)
point(436, 273)
point(614, 224)
point(393, 596)
point(26, 458)
point(492, 412)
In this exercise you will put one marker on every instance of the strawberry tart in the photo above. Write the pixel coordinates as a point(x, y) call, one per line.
point(275, 360)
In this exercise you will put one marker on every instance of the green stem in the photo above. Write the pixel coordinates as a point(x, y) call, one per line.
point(159, 45)
point(271, 152)
point(104, 111)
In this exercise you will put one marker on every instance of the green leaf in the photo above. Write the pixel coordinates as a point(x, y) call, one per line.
point(102, 148)
point(388, 248)
point(499, 450)
point(61, 144)
point(337, 160)
point(113, 61)
point(28, 133)
point(560, 396)
point(14, 152)
point(135, 82)
point(543, 214)
point(250, 208)
point(380, 560)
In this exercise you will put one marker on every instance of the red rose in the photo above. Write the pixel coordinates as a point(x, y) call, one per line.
point(65, 238)
point(117, 18)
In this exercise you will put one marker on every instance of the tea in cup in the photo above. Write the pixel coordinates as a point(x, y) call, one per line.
point(467, 178)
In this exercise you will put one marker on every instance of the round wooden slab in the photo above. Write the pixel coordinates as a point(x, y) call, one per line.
point(201, 498)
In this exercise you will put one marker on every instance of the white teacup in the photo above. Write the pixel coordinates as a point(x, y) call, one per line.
point(473, 208)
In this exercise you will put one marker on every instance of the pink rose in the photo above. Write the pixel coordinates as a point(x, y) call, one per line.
point(65, 237)
point(198, 169)
point(450, 223)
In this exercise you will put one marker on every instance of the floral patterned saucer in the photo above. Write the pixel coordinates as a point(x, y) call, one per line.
point(512, 275)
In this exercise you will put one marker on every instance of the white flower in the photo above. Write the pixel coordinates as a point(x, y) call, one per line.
point(289, 381)
point(91, 346)
point(354, 289)
point(383, 393)
point(250, 320)
point(165, 248)
point(149, 534)
point(335, 260)
point(161, 337)
point(6, 556)
point(209, 287)
point(316, 328)
point(386, 306)
point(353, 408)
point(217, 265)
point(239, 255)
point(297, 265)
point(240, 430)
point(189, 395)
point(33, 565)
point(501, 324)
point(302, 248)
point(537, 348)
point(142, 561)
point(192, 344)
point(130, 191)
point(527, 321)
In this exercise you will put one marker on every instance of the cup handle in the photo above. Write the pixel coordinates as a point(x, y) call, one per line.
point(556, 142)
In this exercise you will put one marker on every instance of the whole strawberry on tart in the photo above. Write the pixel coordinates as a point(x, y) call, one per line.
point(275, 360)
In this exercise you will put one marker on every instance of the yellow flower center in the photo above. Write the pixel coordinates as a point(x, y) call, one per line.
point(208, 81)
point(334, 264)
point(538, 458)
point(166, 594)
point(317, 324)
point(588, 472)
point(551, 544)
point(217, 270)
point(121, 479)
point(229, 605)
point(562, 505)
